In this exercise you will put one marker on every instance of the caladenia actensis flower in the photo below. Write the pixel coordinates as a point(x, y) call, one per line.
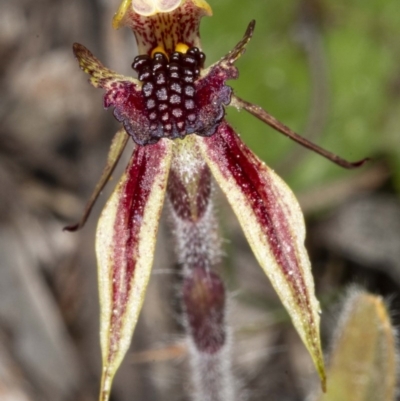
point(174, 112)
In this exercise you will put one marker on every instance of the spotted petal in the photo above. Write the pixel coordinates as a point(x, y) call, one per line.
point(125, 243)
point(274, 226)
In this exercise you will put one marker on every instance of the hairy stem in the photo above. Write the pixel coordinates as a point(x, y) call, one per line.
point(203, 293)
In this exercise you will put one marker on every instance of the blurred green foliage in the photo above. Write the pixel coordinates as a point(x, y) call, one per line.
point(362, 363)
point(358, 45)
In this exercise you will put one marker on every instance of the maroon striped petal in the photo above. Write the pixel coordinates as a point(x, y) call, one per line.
point(125, 241)
point(274, 226)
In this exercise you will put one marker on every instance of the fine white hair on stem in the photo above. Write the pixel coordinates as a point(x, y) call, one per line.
point(212, 377)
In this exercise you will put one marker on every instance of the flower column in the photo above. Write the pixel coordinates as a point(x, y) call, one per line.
point(203, 294)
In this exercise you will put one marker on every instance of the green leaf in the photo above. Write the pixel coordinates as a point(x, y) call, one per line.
point(363, 360)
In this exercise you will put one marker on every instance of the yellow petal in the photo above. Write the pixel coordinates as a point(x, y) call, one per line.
point(125, 242)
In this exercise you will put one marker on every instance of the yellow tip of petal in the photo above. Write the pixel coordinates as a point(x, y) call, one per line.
point(322, 376)
point(119, 15)
point(106, 382)
point(204, 5)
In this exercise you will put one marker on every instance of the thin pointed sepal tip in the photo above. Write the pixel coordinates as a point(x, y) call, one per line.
point(360, 163)
point(250, 28)
point(81, 51)
point(323, 380)
point(106, 382)
point(73, 227)
point(346, 164)
point(240, 48)
point(320, 366)
point(76, 48)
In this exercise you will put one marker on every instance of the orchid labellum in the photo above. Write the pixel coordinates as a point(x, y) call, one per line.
point(174, 112)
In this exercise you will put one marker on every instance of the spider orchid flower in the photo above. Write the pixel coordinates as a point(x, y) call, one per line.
point(174, 112)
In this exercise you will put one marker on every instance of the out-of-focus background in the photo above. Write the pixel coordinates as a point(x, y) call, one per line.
point(329, 70)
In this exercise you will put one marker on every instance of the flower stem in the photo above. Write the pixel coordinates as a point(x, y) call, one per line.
point(203, 293)
point(209, 345)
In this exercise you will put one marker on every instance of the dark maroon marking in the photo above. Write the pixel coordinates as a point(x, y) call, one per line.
point(203, 191)
point(129, 104)
point(180, 198)
point(212, 94)
point(204, 300)
point(169, 85)
point(228, 150)
point(141, 174)
point(200, 107)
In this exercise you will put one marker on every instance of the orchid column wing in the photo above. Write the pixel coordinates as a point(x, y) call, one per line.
point(125, 242)
point(274, 226)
